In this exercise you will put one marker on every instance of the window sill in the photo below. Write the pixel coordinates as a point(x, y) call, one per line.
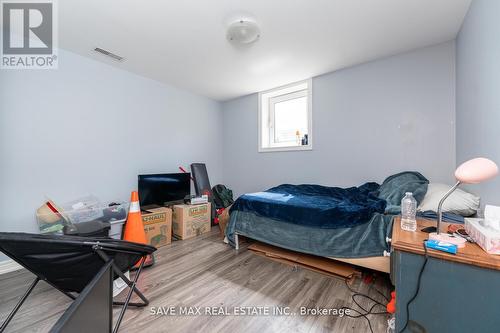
point(282, 149)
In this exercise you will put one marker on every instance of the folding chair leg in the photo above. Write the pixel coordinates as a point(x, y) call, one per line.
point(129, 283)
point(18, 305)
point(135, 304)
point(132, 286)
point(129, 295)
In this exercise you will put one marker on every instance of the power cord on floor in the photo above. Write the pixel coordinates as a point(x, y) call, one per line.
point(372, 286)
point(365, 312)
point(416, 290)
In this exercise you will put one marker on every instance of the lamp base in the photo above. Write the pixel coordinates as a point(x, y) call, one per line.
point(458, 241)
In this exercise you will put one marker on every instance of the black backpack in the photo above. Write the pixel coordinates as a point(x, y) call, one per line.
point(223, 197)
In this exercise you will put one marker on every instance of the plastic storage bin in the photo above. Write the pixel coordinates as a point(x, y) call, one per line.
point(82, 210)
point(116, 229)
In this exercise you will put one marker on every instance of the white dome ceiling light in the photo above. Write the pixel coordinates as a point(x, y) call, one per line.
point(243, 32)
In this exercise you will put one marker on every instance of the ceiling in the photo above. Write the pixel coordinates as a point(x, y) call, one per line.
point(183, 43)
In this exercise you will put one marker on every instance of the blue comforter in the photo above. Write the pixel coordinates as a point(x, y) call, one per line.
point(315, 205)
point(326, 221)
point(332, 207)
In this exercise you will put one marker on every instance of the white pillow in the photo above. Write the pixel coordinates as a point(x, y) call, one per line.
point(459, 202)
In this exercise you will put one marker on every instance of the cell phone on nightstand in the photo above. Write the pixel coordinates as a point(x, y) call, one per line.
point(429, 230)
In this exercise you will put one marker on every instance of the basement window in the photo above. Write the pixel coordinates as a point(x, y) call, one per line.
point(285, 118)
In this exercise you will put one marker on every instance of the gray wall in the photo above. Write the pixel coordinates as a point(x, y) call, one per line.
point(478, 90)
point(89, 128)
point(369, 121)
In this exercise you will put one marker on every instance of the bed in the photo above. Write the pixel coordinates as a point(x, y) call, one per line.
point(352, 224)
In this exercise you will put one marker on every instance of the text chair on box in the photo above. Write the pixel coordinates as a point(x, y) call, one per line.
point(70, 263)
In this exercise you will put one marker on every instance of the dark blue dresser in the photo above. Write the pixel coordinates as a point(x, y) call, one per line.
point(458, 293)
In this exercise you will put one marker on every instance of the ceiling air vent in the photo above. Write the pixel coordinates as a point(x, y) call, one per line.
point(109, 54)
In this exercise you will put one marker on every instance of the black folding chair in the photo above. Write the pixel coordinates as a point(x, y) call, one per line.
point(69, 263)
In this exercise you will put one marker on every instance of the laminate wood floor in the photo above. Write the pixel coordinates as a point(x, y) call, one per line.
point(205, 272)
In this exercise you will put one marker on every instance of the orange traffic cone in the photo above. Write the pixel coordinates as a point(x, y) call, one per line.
point(134, 229)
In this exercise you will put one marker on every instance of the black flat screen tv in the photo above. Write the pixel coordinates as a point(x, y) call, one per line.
point(159, 189)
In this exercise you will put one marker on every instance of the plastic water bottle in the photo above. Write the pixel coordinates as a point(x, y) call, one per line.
point(409, 212)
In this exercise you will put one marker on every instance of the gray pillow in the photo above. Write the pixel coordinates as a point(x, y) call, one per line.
point(459, 202)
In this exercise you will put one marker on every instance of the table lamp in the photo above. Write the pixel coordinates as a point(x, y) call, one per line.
point(473, 171)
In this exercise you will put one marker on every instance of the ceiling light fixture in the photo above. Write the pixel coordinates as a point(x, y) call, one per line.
point(243, 32)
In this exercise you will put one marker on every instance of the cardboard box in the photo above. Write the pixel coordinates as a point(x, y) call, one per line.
point(158, 226)
point(318, 264)
point(191, 220)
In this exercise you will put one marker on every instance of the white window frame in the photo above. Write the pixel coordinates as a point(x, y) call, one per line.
point(267, 100)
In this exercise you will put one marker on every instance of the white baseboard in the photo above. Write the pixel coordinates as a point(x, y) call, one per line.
point(8, 266)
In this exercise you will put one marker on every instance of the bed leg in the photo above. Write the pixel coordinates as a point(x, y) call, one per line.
point(237, 242)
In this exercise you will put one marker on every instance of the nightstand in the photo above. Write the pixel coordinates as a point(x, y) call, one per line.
point(458, 293)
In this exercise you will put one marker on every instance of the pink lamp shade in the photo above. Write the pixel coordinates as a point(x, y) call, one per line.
point(476, 170)
point(473, 171)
